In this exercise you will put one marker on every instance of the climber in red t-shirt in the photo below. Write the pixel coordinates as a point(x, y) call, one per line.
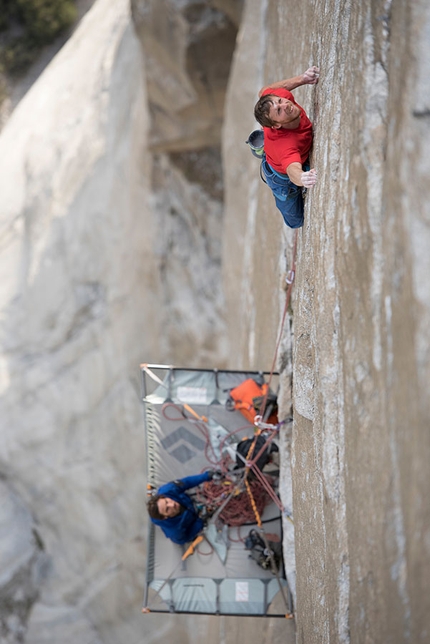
point(287, 141)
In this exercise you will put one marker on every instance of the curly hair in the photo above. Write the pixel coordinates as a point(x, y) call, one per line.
point(262, 109)
point(152, 507)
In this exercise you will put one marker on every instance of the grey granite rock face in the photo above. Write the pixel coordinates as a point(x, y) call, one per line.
point(78, 312)
point(23, 564)
point(188, 47)
point(188, 225)
point(360, 442)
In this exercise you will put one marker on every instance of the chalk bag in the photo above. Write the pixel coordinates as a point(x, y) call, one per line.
point(256, 143)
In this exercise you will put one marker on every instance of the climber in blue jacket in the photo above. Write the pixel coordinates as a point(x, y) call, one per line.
point(173, 509)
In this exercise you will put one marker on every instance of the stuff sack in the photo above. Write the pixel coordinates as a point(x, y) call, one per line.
point(248, 398)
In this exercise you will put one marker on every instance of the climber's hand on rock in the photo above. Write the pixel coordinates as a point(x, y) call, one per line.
point(309, 179)
point(311, 75)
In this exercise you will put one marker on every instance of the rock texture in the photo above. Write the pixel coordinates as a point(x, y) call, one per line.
point(13, 88)
point(98, 276)
point(188, 49)
point(188, 46)
point(187, 248)
point(78, 311)
point(22, 563)
point(360, 448)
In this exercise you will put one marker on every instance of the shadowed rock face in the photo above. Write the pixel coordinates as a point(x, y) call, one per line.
point(188, 50)
point(22, 565)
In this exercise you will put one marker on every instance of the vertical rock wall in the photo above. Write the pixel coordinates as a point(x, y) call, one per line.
point(360, 448)
point(78, 312)
point(361, 420)
point(254, 236)
point(256, 244)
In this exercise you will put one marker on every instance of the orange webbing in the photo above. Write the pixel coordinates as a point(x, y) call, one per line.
point(254, 505)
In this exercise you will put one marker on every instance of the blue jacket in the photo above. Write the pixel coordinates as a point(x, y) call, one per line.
point(187, 525)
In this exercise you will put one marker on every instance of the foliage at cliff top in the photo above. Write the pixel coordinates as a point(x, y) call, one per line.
point(27, 25)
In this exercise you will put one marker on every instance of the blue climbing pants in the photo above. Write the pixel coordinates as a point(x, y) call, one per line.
point(288, 196)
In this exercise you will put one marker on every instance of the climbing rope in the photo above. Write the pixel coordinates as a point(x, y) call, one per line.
point(239, 509)
point(290, 281)
point(259, 419)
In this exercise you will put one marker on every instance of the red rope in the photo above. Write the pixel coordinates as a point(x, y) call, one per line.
point(239, 509)
point(265, 483)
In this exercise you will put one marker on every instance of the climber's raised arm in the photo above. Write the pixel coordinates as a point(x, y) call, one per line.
point(309, 77)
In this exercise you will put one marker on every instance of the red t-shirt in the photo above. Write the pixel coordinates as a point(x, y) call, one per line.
point(283, 146)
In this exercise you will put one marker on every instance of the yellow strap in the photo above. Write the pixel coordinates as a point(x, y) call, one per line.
point(254, 505)
point(192, 547)
point(194, 413)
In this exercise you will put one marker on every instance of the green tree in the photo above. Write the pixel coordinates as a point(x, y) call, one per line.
point(27, 25)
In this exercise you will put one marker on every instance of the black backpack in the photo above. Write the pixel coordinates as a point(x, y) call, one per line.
point(260, 553)
point(243, 448)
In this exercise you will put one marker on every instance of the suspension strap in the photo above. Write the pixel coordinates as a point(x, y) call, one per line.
point(152, 375)
point(192, 547)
